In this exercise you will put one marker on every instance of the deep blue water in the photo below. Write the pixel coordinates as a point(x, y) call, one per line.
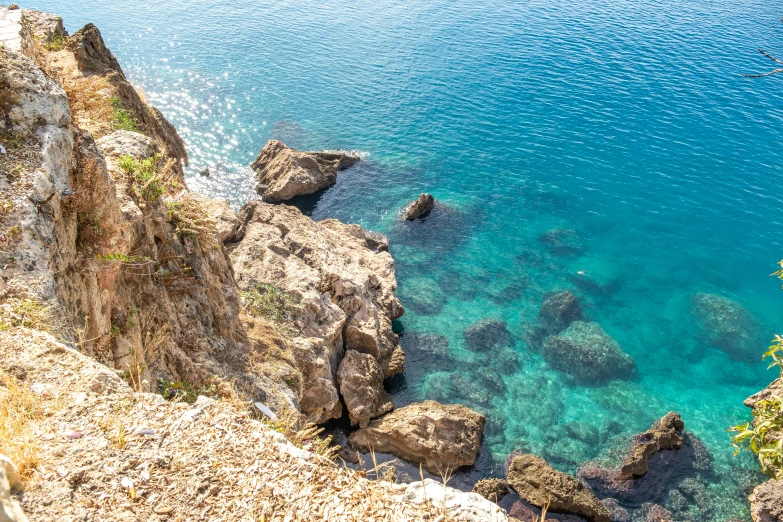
point(625, 123)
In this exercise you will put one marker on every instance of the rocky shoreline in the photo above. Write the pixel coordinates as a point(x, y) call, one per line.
point(149, 288)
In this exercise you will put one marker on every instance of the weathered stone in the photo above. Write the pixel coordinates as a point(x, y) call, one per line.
point(540, 484)
point(559, 311)
point(344, 291)
point(226, 221)
point(586, 352)
point(766, 502)
point(442, 437)
point(666, 434)
point(775, 389)
point(461, 507)
point(419, 208)
point(284, 173)
point(9, 507)
point(493, 489)
point(650, 512)
point(11, 473)
point(361, 385)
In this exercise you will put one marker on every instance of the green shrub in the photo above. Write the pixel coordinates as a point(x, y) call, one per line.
point(56, 44)
point(270, 302)
point(122, 119)
point(763, 436)
point(144, 174)
point(183, 391)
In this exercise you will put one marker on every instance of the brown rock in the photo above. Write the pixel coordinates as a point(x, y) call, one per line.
point(284, 173)
point(666, 434)
point(775, 389)
point(416, 209)
point(540, 484)
point(493, 489)
point(442, 437)
point(361, 385)
point(766, 502)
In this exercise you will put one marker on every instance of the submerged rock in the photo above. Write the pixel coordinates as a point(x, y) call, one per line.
point(540, 484)
point(487, 334)
point(284, 173)
point(561, 242)
point(361, 385)
point(443, 437)
point(728, 326)
point(559, 311)
point(586, 352)
point(419, 208)
point(434, 344)
point(666, 434)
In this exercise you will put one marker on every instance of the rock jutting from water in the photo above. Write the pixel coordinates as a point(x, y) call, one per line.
point(666, 434)
point(540, 484)
point(419, 208)
point(493, 489)
point(587, 353)
point(442, 437)
point(283, 173)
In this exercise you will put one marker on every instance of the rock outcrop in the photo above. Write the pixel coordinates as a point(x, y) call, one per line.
point(775, 389)
point(493, 489)
point(728, 326)
point(361, 386)
point(419, 208)
point(587, 353)
point(344, 291)
point(284, 173)
point(540, 484)
point(766, 502)
point(10, 511)
point(442, 437)
point(665, 434)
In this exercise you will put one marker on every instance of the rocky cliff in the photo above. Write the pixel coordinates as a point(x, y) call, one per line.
point(117, 281)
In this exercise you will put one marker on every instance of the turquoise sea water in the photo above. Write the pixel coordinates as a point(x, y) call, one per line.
point(624, 125)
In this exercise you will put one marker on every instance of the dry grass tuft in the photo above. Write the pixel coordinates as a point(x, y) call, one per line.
point(91, 102)
point(308, 436)
point(191, 218)
point(20, 411)
point(27, 313)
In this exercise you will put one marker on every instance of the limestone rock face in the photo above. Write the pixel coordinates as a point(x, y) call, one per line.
point(440, 436)
point(775, 389)
point(461, 507)
point(586, 352)
point(10, 511)
point(728, 326)
point(361, 385)
point(344, 289)
point(766, 502)
point(539, 483)
point(419, 208)
point(284, 173)
point(666, 434)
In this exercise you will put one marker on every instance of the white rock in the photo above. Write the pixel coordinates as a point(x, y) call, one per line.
point(460, 506)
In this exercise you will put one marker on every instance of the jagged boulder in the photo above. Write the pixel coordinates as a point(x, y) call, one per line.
point(284, 173)
point(559, 311)
point(665, 434)
point(343, 289)
point(587, 353)
point(361, 384)
point(442, 437)
point(540, 484)
point(419, 208)
point(728, 326)
point(775, 389)
point(766, 502)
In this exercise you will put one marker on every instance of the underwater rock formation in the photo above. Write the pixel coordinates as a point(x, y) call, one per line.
point(587, 353)
point(419, 208)
point(487, 335)
point(559, 311)
point(442, 437)
point(728, 326)
point(540, 484)
point(284, 173)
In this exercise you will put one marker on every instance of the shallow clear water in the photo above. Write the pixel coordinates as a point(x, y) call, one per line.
point(625, 122)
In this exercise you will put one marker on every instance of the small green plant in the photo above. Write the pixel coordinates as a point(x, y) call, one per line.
point(122, 258)
point(57, 43)
point(26, 313)
point(775, 352)
point(763, 436)
point(144, 173)
point(183, 391)
point(122, 119)
point(270, 302)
